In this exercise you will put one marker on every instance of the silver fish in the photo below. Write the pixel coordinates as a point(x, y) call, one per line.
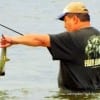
point(2, 61)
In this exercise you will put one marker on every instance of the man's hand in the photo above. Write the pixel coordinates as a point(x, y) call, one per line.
point(5, 41)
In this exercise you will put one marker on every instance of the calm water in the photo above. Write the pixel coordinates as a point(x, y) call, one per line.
point(31, 74)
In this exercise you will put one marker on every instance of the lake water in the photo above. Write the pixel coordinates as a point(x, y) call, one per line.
point(31, 74)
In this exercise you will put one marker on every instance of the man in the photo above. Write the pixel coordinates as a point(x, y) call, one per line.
point(70, 48)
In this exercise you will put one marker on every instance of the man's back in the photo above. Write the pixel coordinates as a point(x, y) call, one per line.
point(70, 48)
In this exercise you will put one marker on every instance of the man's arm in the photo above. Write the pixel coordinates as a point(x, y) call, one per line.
point(28, 39)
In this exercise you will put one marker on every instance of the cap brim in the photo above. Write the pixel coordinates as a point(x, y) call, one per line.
point(61, 17)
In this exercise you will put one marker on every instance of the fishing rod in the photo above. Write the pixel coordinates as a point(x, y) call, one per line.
point(11, 29)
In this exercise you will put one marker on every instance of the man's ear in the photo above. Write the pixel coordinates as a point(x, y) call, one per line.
point(76, 19)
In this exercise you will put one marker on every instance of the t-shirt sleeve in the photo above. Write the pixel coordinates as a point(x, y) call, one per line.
point(61, 46)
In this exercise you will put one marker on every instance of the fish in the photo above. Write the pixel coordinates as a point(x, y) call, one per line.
point(3, 52)
point(3, 59)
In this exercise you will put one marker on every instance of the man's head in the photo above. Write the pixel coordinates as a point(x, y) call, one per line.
point(74, 7)
point(74, 15)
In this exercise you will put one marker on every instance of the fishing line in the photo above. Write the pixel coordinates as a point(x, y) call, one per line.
point(11, 29)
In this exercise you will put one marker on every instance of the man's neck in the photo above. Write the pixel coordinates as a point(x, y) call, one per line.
point(84, 24)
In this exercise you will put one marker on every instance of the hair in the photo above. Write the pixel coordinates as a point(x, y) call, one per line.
point(82, 16)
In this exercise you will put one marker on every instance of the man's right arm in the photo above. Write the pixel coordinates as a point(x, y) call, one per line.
point(28, 39)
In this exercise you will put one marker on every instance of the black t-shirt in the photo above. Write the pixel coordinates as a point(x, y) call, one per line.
point(69, 48)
